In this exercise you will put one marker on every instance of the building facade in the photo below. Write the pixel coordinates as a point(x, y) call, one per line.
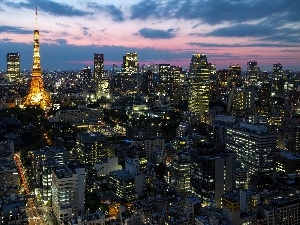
point(199, 85)
point(13, 66)
point(254, 145)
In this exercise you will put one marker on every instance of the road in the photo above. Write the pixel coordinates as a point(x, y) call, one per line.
point(33, 214)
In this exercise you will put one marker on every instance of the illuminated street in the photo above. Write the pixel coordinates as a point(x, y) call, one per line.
point(33, 214)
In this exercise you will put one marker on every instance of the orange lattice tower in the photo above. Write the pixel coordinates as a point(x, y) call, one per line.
point(37, 94)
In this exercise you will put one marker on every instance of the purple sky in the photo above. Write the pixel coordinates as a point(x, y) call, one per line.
point(168, 31)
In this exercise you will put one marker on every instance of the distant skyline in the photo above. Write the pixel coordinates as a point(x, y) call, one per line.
point(168, 31)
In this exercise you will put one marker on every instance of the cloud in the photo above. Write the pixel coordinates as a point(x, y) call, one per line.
point(85, 31)
point(217, 11)
point(111, 10)
point(48, 6)
point(289, 50)
point(61, 41)
point(257, 44)
point(285, 36)
point(260, 31)
point(242, 30)
point(156, 34)
point(14, 30)
point(62, 25)
point(146, 9)
point(5, 40)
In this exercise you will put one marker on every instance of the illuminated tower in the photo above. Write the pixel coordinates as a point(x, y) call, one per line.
point(199, 85)
point(13, 66)
point(37, 95)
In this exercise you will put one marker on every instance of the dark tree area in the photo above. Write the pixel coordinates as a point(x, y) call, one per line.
point(160, 171)
point(93, 203)
point(261, 182)
point(115, 115)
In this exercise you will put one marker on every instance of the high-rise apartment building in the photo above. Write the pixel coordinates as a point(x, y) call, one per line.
point(199, 86)
point(43, 162)
point(68, 185)
point(13, 66)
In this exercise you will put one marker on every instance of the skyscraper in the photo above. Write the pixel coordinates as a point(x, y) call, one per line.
point(234, 77)
point(277, 80)
point(101, 78)
point(130, 62)
point(241, 102)
point(199, 85)
point(98, 65)
point(128, 78)
point(37, 94)
point(13, 66)
point(252, 72)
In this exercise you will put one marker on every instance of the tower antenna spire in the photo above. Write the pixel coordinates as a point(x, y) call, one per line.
point(36, 18)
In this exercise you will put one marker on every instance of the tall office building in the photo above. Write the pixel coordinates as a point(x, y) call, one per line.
point(86, 74)
point(101, 78)
point(37, 95)
point(255, 147)
point(89, 148)
point(13, 66)
point(264, 99)
point(277, 80)
point(234, 78)
point(165, 77)
point(182, 168)
point(252, 72)
point(241, 102)
point(130, 62)
point(147, 82)
point(212, 174)
point(222, 78)
point(170, 77)
point(199, 86)
point(127, 80)
point(98, 65)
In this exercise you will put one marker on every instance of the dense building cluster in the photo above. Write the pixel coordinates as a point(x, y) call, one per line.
point(150, 144)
